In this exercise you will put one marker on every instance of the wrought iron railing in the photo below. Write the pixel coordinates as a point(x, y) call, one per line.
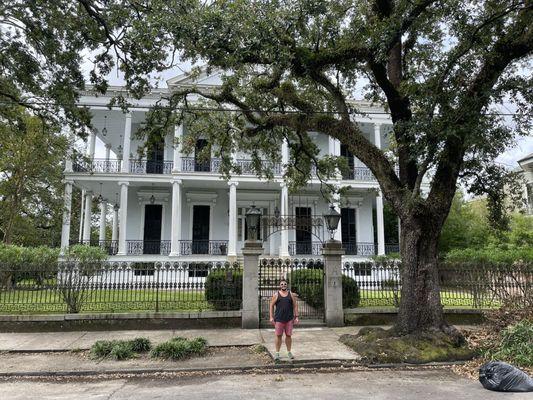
point(247, 166)
point(305, 248)
point(360, 248)
point(209, 247)
point(97, 165)
point(111, 246)
point(138, 247)
point(120, 287)
point(191, 164)
point(150, 167)
point(392, 248)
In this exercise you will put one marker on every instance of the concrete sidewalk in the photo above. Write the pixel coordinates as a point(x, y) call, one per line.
point(309, 344)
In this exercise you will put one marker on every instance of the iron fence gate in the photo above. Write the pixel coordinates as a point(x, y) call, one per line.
point(305, 278)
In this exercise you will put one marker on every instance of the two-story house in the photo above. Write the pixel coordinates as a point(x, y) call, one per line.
point(174, 206)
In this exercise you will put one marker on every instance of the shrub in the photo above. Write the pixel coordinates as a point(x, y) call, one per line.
point(140, 344)
point(491, 255)
point(102, 348)
point(516, 344)
point(223, 289)
point(122, 351)
point(308, 284)
point(178, 348)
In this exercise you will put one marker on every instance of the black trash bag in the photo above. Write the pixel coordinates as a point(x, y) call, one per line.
point(503, 377)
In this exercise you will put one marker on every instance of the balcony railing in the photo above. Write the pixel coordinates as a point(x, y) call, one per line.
point(191, 164)
point(360, 248)
point(139, 247)
point(211, 247)
point(110, 246)
point(150, 167)
point(305, 248)
point(247, 166)
point(98, 165)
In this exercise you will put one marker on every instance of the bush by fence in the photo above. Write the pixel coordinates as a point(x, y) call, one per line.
point(223, 288)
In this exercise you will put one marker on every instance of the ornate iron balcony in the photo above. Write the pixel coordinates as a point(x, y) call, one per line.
point(98, 165)
point(138, 247)
point(211, 247)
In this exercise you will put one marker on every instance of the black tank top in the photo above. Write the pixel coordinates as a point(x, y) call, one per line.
point(284, 308)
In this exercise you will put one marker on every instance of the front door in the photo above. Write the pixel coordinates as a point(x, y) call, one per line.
point(348, 230)
point(303, 231)
point(200, 230)
point(152, 228)
point(201, 163)
point(155, 158)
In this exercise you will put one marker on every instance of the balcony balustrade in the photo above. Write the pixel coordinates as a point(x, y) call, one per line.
point(139, 247)
point(98, 165)
point(110, 246)
point(305, 248)
point(150, 167)
point(210, 247)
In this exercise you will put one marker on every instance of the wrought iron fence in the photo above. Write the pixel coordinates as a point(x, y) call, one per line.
point(119, 287)
point(461, 285)
point(150, 167)
point(98, 165)
point(191, 164)
point(138, 247)
point(247, 166)
point(211, 247)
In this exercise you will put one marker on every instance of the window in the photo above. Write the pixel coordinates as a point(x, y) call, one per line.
point(143, 269)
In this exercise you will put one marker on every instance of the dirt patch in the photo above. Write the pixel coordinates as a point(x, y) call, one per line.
point(377, 345)
point(215, 357)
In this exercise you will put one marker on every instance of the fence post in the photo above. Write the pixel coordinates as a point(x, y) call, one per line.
point(250, 287)
point(334, 311)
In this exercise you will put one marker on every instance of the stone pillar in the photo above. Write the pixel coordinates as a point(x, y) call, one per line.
point(114, 232)
point(232, 222)
point(123, 218)
point(176, 219)
point(126, 145)
point(178, 133)
point(250, 286)
point(82, 216)
point(284, 245)
point(67, 209)
point(380, 223)
point(87, 217)
point(333, 252)
point(103, 213)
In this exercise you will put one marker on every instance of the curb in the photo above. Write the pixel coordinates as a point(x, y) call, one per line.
point(304, 365)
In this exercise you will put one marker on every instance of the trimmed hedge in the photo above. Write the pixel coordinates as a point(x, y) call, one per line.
point(223, 289)
point(308, 285)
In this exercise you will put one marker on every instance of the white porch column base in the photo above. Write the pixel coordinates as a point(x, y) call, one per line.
point(87, 217)
point(123, 218)
point(67, 208)
point(284, 245)
point(232, 222)
point(103, 214)
point(380, 223)
point(176, 219)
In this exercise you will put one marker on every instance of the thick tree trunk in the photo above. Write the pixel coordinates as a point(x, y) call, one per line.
point(420, 306)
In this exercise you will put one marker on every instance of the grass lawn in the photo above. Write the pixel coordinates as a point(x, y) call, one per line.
point(117, 300)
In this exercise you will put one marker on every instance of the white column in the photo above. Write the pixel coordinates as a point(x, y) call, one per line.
point(377, 135)
point(176, 218)
point(284, 152)
point(114, 233)
point(336, 204)
point(178, 134)
point(123, 218)
point(358, 223)
point(126, 145)
point(82, 217)
point(380, 227)
point(87, 217)
point(284, 245)
point(67, 208)
point(91, 145)
point(232, 230)
point(103, 213)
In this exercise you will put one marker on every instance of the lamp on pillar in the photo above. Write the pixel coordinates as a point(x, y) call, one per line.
point(252, 221)
point(332, 221)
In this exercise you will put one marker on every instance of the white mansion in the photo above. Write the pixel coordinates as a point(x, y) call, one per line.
point(172, 206)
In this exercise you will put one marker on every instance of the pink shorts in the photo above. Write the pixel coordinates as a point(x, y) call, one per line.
point(284, 327)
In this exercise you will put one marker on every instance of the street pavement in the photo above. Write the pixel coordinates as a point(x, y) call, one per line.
point(434, 384)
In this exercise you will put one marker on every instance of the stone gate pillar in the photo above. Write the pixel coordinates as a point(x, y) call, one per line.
point(250, 286)
point(333, 252)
